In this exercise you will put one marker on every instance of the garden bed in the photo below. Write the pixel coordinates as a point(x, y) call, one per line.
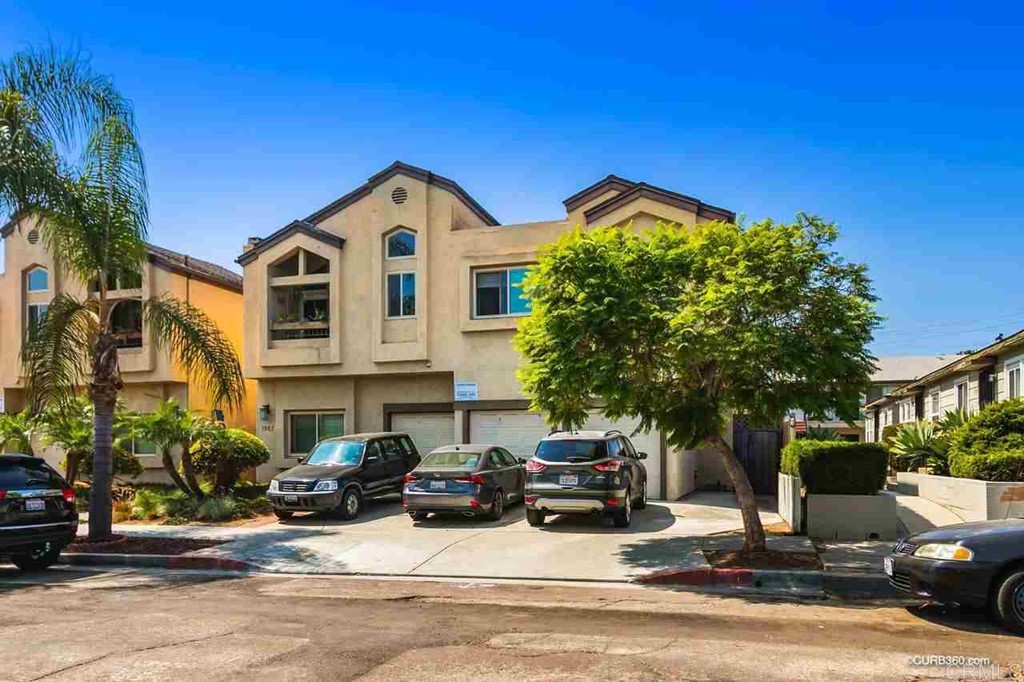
point(768, 560)
point(134, 544)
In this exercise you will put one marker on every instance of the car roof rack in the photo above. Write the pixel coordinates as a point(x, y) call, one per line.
point(609, 432)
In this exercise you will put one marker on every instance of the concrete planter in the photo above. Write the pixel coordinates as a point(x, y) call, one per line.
point(852, 517)
point(790, 503)
point(968, 498)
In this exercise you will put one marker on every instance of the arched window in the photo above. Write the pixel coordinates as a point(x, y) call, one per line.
point(37, 279)
point(126, 323)
point(401, 244)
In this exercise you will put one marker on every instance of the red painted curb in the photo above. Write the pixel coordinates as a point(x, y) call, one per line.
point(737, 577)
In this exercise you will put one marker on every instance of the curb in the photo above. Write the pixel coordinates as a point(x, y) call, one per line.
point(735, 577)
point(197, 563)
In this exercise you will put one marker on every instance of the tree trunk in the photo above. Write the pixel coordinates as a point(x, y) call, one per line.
point(100, 500)
point(72, 462)
point(753, 531)
point(172, 471)
point(190, 472)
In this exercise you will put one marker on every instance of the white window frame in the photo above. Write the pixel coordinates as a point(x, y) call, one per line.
point(317, 414)
point(934, 403)
point(907, 411)
point(37, 268)
point(401, 294)
point(415, 247)
point(508, 290)
point(967, 394)
point(1015, 364)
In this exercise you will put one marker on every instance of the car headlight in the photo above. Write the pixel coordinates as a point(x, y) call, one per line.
point(275, 486)
point(944, 552)
point(326, 486)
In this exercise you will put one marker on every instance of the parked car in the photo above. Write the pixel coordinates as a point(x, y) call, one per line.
point(473, 480)
point(38, 518)
point(340, 473)
point(585, 472)
point(973, 564)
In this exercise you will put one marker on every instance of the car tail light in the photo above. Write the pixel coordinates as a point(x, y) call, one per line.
point(610, 465)
point(3, 494)
point(475, 479)
point(613, 502)
point(535, 467)
point(475, 504)
point(409, 478)
point(69, 494)
point(530, 499)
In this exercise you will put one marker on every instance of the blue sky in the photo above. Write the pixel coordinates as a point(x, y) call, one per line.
point(902, 124)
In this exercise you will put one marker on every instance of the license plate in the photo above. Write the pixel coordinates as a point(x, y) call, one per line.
point(35, 505)
point(291, 498)
point(437, 485)
point(887, 566)
point(569, 479)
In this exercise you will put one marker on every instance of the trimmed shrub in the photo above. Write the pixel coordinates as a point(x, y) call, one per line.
point(126, 465)
point(837, 467)
point(222, 455)
point(1000, 426)
point(1001, 465)
point(146, 504)
point(216, 509)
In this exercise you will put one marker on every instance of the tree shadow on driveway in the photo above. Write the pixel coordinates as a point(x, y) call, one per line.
point(654, 518)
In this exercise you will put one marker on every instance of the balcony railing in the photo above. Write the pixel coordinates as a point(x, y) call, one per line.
point(291, 331)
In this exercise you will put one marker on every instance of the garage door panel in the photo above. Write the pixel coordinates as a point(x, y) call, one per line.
point(428, 430)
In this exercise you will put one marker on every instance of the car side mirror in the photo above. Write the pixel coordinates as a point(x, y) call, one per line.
point(521, 460)
point(642, 455)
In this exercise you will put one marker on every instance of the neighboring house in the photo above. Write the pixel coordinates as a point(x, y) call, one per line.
point(890, 374)
point(394, 308)
point(968, 382)
point(30, 281)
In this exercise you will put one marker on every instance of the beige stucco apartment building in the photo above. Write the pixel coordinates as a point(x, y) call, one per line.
point(394, 308)
point(30, 281)
point(967, 382)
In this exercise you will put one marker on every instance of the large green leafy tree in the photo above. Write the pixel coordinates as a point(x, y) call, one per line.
point(70, 158)
point(682, 328)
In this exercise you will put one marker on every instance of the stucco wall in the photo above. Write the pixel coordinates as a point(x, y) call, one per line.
point(852, 517)
point(970, 499)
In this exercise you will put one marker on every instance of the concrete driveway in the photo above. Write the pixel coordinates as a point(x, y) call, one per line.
point(384, 541)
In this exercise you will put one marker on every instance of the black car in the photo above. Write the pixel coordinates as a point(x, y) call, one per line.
point(339, 473)
point(973, 564)
point(585, 472)
point(37, 512)
point(473, 480)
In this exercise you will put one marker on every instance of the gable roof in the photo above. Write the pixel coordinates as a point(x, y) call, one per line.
point(630, 191)
point(194, 267)
point(900, 370)
point(399, 168)
point(296, 226)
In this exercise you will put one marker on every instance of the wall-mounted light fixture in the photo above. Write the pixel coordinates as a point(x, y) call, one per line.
point(263, 412)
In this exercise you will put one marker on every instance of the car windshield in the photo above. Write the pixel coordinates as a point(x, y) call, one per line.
point(450, 460)
point(336, 452)
point(571, 450)
point(28, 474)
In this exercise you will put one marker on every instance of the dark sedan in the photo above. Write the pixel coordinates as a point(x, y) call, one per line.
point(472, 480)
point(37, 512)
point(973, 564)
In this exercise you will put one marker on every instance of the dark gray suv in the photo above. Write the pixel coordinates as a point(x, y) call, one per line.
point(585, 472)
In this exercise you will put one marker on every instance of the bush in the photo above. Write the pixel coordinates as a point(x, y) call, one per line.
point(222, 454)
point(889, 432)
point(1005, 465)
point(216, 509)
point(126, 465)
point(920, 444)
point(837, 467)
point(146, 504)
point(179, 506)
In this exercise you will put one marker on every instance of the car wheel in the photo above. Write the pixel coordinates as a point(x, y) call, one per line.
point(535, 517)
point(498, 505)
point(642, 502)
point(283, 515)
point(624, 516)
point(351, 504)
point(1009, 602)
point(419, 515)
point(38, 557)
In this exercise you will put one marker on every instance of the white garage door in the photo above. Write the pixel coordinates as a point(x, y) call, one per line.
point(427, 430)
point(520, 432)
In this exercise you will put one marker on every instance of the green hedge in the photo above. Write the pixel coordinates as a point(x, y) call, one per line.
point(837, 467)
point(1001, 465)
point(990, 445)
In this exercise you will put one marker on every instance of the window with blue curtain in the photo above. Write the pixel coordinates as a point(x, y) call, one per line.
point(37, 279)
point(500, 292)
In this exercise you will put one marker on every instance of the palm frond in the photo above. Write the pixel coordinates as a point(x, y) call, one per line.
point(55, 355)
point(29, 167)
point(198, 344)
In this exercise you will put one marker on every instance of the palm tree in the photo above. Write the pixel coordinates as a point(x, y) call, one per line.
point(93, 222)
point(170, 426)
point(16, 430)
point(69, 427)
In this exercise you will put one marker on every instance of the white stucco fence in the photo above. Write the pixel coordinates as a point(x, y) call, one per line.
point(790, 504)
point(968, 498)
point(838, 517)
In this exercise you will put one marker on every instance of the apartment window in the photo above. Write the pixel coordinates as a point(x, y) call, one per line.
point(961, 396)
point(401, 244)
point(306, 429)
point(126, 323)
point(1014, 377)
point(499, 292)
point(401, 294)
point(142, 448)
point(906, 409)
point(299, 302)
point(118, 282)
point(933, 403)
point(36, 313)
point(37, 279)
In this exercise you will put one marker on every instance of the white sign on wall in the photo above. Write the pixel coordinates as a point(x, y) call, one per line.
point(466, 390)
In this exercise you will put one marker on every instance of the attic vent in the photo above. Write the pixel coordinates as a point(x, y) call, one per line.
point(33, 236)
point(399, 195)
